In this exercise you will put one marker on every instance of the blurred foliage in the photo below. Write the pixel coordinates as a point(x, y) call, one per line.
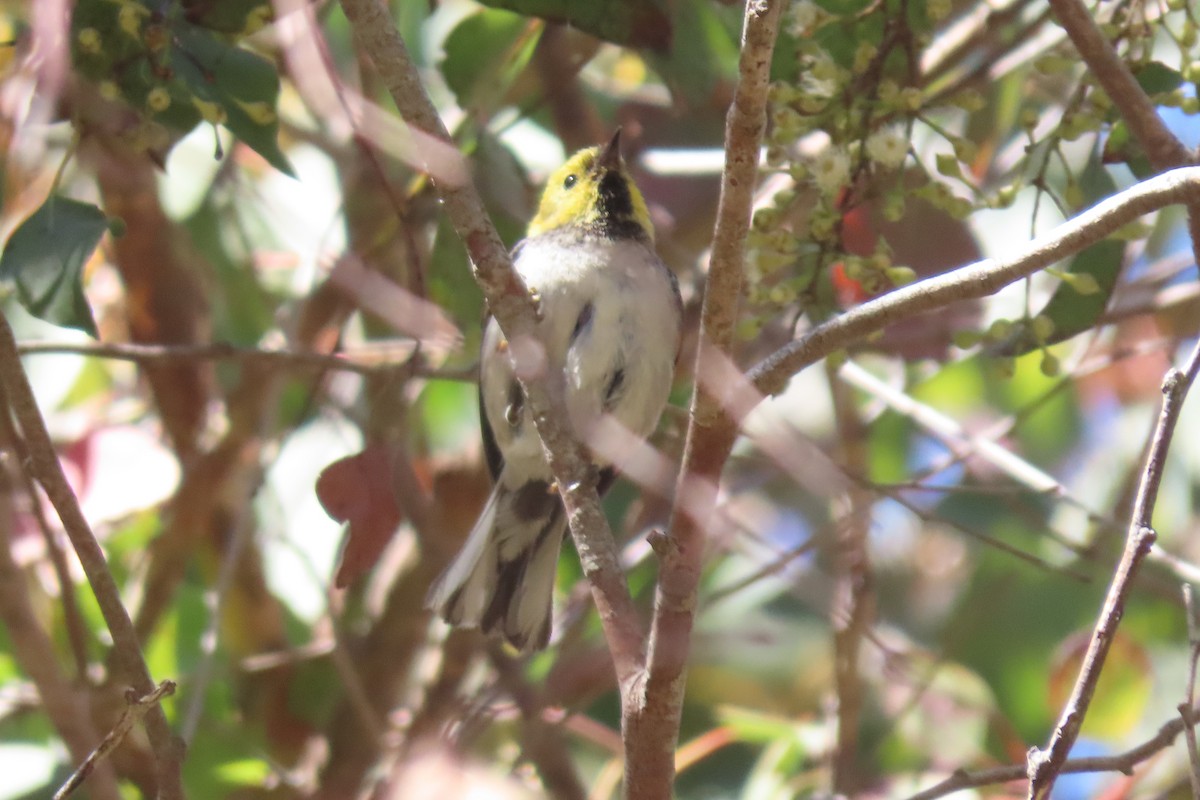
point(905, 138)
point(178, 64)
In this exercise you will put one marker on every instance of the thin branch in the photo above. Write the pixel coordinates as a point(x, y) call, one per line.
point(983, 446)
point(375, 358)
point(65, 704)
point(45, 468)
point(510, 302)
point(952, 434)
point(1110, 72)
point(1044, 765)
point(542, 742)
point(214, 600)
point(1185, 708)
point(977, 280)
point(137, 708)
point(77, 632)
point(1120, 762)
point(853, 608)
point(652, 725)
point(1163, 148)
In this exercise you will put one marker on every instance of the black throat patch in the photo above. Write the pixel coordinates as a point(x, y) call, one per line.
point(614, 207)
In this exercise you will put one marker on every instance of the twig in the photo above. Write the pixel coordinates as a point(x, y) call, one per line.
point(372, 667)
point(652, 725)
point(1163, 148)
point(542, 742)
point(45, 468)
point(557, 65)
point(65, 704)
point(951, 433)
point(977, 280)
point(381, 663)
point(214, 599)
point(510, 302)
point(981, 445)
point(367, 360)
point(137, 708)
point(77, 634)
point(1044, 765)
point(1185, 708)
point(1121, 762)
point(1109, 71)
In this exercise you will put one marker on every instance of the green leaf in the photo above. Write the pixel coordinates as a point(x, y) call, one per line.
point(1071, 310)
point(841, 41)
point(1156, 78)
point(701, 67)
point(633, 23)
point(484, 55)
point(244, 85)
point(1121, 148)
point(948, 165)
point(753, 725)
point(233, 18)
point(44, 261)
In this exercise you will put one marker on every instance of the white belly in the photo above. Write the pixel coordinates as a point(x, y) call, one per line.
point(620, 363)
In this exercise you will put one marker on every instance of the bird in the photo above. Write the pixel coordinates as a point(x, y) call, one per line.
point(610, 318)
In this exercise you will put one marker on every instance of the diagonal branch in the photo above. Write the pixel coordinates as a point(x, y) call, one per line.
point(510, 302)
point(1162, 148)
point(977, 280)
point(135, 710)
point(1121, 762)
point(65, 704)
point(1044, 765)
point(46, 470)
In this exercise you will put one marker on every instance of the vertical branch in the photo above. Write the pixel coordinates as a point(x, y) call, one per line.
point(853, 602)
point(46, 470)
point(1045, 765)
point(651, 721)
point(1187, 707)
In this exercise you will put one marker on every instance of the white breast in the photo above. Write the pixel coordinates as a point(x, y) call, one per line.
point(634, 327)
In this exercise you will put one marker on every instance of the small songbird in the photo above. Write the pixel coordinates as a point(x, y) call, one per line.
point(610, 322)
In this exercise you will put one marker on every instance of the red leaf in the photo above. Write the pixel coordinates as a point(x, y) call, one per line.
point(358, 490)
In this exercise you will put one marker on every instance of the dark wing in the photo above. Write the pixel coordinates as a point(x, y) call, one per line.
point(491, 450)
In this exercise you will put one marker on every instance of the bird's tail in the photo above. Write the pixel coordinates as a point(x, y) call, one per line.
point(503, 579)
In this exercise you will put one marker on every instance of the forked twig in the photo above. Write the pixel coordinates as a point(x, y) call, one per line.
point(137, 708)
point(1044, 765)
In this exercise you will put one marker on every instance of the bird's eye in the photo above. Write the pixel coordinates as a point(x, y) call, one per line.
point(570, 181)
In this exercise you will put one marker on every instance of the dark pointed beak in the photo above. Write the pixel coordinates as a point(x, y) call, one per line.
point(610, 156)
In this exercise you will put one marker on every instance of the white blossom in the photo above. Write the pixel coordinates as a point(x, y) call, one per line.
point(887, 147)
point(802, 17)
point(831, 170)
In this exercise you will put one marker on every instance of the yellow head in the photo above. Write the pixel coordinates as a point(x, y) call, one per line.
point(593, 190)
